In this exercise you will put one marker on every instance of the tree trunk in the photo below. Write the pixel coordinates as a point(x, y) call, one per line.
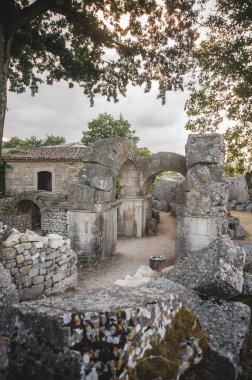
point(5, 45)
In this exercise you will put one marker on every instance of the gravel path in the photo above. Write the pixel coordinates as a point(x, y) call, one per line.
point(131, 253)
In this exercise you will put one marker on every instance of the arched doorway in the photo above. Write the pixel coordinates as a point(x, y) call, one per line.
point(128, 180)
point(31, 215)
point(44, 181)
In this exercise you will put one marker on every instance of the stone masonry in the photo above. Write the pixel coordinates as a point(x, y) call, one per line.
point(101, 334)
point(204, 216)
point(39, 265)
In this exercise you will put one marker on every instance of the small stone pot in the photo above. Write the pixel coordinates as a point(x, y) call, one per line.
point(157, 263)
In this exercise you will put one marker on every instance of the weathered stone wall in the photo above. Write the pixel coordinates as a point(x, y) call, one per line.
point(52, 206)
point(39, 265)
point(13, 217)
point(101, 334)
point(22, 176)
point(238, 188)
point(204, 216)
point(132, 216)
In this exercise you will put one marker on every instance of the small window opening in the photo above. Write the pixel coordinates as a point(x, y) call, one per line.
point(45, 181)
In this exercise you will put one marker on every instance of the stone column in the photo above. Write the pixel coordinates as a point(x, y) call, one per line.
point(203, 217)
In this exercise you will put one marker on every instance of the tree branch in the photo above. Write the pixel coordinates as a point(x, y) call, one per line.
point(27, 14)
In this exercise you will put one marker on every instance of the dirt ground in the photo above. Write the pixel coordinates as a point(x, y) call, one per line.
point(130, 254)
point(133, 252)
point(246, 222)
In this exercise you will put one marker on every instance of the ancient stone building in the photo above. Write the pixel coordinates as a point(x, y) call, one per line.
point(51, 168)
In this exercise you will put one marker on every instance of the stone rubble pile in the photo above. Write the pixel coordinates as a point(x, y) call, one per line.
point(219, 270)
point(235, 229)
point(141, 277)
point(39, 264)
point(240, 205)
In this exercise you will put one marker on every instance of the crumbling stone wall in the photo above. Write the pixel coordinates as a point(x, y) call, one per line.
point(52, 206)
point(12, 216)
point(113, 168)
point(39, 265)
point(204, 215)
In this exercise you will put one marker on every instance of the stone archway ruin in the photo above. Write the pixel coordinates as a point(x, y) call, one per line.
point(92, 213)
point(93, 203)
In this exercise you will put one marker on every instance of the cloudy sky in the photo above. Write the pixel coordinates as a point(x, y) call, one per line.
point(58, 110)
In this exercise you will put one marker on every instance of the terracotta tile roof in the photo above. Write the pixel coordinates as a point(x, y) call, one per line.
point(48, 153)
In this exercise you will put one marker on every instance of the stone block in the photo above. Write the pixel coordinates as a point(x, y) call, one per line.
point(103, 196)
point(97, 176)
point(81, 197)
point(20, 259)
point(34, 272)
point(12, 240)
point(24, 270)
point(205, 149)
point(22, 247)
point(31, 292)
point(9, 254)
point(216, 270)
point(38, 280)
point(38, 244)
point(8, 296)
point(58, 277)
point(197, 177)
point(226, 324)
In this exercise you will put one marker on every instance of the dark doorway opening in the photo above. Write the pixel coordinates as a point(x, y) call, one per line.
point(45, 181)
point(29, 208)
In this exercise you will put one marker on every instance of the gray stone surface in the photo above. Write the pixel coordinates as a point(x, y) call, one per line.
point(205, 149)
point(238, 188)
point(49, 257)
point(226, 323)
point(203, 217)
point(96, 334)
point(216, 270)
point(8, 296)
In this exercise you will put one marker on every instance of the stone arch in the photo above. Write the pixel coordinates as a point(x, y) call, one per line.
point(158, 163)
point(128, 180)
point(32, 211)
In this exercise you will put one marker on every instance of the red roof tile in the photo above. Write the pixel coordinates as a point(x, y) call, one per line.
point(48, 153)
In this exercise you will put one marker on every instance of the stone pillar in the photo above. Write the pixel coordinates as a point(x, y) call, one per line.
point(92, 226)
point(203, 217)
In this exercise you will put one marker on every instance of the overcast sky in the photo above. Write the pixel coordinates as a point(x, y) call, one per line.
point(58, 110)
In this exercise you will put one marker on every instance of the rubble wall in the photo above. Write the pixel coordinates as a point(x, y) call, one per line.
point(39, 265)
point(103, 334)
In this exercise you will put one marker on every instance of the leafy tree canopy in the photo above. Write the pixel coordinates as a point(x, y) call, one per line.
point(16, 142)
point(222, 85)
point(105, 126)
point(103, 45)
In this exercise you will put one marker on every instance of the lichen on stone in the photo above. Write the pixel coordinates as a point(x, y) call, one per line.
point(183, 345)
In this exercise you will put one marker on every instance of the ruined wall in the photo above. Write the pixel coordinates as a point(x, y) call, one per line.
point(203, 217)
point(110, 338)
point(22, 176)
point(39, 265)
point(13, 216)
point(53, 208)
